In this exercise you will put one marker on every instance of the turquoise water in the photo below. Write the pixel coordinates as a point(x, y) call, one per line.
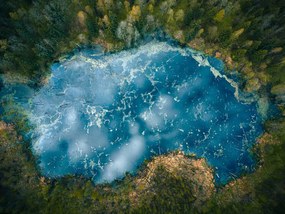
point(101, 115)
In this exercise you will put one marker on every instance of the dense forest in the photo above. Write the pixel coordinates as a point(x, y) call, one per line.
point(248, 35)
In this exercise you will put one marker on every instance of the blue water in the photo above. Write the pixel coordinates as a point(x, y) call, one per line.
point(101, 115)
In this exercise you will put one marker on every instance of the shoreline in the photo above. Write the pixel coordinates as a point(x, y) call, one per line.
point(198, 56)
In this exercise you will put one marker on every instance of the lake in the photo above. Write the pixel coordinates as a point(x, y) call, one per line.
point(101, 115)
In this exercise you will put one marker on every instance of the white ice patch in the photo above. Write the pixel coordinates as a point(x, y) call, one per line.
point(204, 62)
point(96, 115)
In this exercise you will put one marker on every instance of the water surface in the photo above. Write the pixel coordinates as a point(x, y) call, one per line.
point(101, 115)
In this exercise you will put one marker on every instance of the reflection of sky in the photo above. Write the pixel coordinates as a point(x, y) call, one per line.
point(101, 116)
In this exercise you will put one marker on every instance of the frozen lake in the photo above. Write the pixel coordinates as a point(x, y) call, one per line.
point(101, 115)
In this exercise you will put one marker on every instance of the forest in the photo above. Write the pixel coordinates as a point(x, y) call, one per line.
point(248, 35)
